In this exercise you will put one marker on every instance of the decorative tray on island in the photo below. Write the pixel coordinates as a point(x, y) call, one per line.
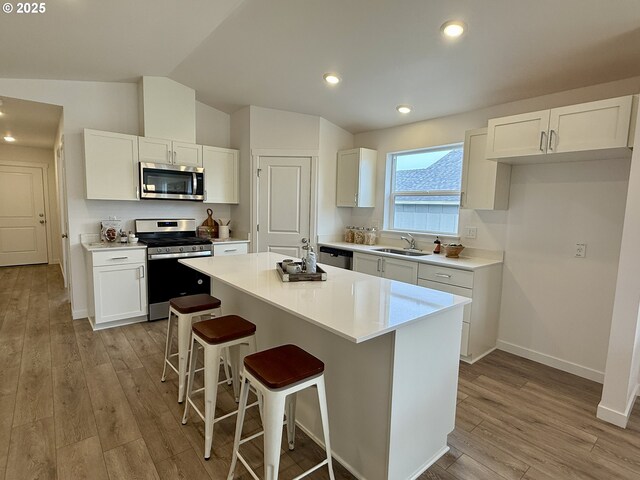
point(319, 276)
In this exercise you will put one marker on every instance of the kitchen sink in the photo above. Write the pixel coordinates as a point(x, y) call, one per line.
point(406, 253)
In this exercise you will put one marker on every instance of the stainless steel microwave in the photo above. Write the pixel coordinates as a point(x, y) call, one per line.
point(171, 182)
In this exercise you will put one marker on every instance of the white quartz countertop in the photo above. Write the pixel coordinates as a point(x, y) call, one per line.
point(353, 305)
point(92, 247)
point(463, 263)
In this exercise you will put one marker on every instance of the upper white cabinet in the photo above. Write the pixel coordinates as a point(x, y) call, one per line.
point(111, 165)
point(386, 267)
point(159, 150)
point(356, 178)
point(485, 183)
point(221, 179)
point(566, 133)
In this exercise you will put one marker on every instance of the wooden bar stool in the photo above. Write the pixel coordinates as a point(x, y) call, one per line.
point(186, 309)
point(226, 332)
point(278, 374)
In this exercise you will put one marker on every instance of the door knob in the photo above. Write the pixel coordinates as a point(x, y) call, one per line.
point(305, 240)
point(41, 215)
point(64, 235)
point(42, 222)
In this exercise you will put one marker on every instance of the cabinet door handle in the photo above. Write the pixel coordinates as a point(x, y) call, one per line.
point(551, 144)
point(141, 270)
point(118, 258)
point(175, 155)
point(461, 199)
point(542, 140)
point(231, 250)
point(355, 200)
point(379, 270)
point(443, 275)
point(169, 154)
point(383, 263)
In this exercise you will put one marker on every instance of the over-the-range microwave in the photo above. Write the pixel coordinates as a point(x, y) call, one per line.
point(171, 182)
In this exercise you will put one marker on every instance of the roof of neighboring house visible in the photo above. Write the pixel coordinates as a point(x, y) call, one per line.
point(442, 175)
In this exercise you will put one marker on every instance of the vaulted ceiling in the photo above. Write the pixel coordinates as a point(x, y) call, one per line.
point(273, 53)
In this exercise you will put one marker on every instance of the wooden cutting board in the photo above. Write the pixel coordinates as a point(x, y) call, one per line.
point(210, 222)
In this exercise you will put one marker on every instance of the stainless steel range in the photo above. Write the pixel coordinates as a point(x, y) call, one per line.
point(167, 241)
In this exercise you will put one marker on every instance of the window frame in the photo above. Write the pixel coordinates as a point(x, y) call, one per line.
point(392, 194)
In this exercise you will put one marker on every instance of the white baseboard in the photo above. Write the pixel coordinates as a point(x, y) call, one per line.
point(615, 417)
point(551, 361)
point(80, 313)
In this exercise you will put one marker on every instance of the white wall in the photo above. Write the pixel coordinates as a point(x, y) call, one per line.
point(623, 357)
point(213, 127)
point(573, 332)
point(102, 106)
point(240, 140)
point(331, 220)
point(15, 153)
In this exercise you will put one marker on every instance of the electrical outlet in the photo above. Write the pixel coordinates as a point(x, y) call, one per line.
point(581, 250)
point(471, 232)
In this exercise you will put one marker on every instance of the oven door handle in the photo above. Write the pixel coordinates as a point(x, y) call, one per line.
point(161, 256)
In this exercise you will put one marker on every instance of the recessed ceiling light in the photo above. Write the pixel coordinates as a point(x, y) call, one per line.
point(331, 78)
point(404, 108)
point(452, 29)
point(1, 114)
point(9, 138)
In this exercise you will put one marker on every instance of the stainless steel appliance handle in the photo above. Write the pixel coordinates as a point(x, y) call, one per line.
point(195, 183)
point(161, 256)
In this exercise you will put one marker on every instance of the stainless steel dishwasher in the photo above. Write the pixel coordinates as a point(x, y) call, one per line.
point(336, 257)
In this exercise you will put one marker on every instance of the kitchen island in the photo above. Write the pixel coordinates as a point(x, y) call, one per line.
point(390, 351)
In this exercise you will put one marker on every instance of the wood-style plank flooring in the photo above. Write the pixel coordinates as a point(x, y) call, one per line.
point(78, 404)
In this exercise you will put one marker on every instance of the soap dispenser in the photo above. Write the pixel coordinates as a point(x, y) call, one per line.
point(437, 242)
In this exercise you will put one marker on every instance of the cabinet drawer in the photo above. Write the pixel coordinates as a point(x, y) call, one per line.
point(443, 287)
point(119, 257)
point(232, 249)
point(450, 276)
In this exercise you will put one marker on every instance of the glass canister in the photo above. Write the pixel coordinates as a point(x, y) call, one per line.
point(359, 235)
point(370, 236)
point(349, 235)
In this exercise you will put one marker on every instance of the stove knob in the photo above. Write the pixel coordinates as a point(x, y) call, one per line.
point(168, 249)
point(181, 249)
point(194, 248)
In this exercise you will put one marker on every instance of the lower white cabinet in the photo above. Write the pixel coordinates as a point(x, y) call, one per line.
point(386, 267)
point(220, 250)
point(480, 320)
point(117, 287)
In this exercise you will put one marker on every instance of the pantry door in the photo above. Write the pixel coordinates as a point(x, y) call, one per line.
point(284, 204)
point(23, 232)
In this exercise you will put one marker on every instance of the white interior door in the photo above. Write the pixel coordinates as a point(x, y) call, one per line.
point(284, 204)
point(64, 218)
point(23, 235)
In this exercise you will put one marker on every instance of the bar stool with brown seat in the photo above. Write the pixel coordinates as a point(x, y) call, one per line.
point(215, 335)
point(278, 374)
point(186, 309)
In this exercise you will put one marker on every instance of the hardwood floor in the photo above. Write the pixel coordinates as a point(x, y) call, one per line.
point(76, 404)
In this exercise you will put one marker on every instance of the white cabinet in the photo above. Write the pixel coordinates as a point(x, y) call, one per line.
point(386, 267)
point(566, 133)
point(221, 179)
point(160, 150)
point(220, 250)
point(485, 183)
point(111, 166)
point(117, 287)
point(480, 318)
point(356, 178)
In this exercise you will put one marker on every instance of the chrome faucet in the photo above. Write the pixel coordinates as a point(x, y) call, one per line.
point(410, 240)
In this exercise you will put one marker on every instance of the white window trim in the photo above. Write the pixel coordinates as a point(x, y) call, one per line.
point(390, 194)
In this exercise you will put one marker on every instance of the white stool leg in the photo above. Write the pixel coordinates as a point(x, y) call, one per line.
point(225, 365)
point(184, 334)
point(211, 374)
point(290, 409)
point(244, 395)
point(273, 413)
point(167, 348)
point(234, 354)
point(324, 415)
point(193, 360)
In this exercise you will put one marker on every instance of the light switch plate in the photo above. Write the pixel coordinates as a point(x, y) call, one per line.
point(471, 232)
